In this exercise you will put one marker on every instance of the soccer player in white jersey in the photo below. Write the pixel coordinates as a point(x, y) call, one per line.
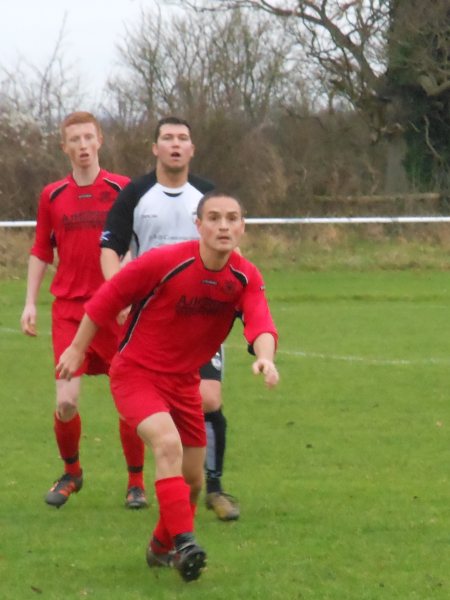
point(156, 209)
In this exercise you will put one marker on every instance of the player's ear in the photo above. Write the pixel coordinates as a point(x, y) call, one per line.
point(241, 231)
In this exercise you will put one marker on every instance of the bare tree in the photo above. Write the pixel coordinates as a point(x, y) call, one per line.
point(33, 100)
point(388, 58)
point(227, 76)
point(192, 64)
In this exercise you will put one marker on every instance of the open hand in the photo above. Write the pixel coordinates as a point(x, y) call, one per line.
point(268, 369)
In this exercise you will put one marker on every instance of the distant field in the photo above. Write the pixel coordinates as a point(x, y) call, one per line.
point(342, 472)
point(306, 247)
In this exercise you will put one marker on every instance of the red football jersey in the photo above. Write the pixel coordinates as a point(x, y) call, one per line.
point(182, 311)
point(71, 219)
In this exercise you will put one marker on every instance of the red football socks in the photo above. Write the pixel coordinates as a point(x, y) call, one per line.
point(68, 435)
point(163, 537)
point(174, 506)
point(133, 450)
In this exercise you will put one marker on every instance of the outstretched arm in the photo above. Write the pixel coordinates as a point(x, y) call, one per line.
point(264, 348)
point(73, 356)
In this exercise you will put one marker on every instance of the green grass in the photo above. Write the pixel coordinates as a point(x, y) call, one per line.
point(342, 471)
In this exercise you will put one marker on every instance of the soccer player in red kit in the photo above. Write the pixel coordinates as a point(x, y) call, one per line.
point(185, 298)
point(71, 216)
point(156, 209)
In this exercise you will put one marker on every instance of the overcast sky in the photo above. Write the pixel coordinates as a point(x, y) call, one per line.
point(30, 29)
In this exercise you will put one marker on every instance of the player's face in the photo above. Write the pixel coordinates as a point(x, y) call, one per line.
point(81, 144)
point(174, 148)
point(222, 224)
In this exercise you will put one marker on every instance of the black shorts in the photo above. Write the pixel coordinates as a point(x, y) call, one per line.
point(214, 368)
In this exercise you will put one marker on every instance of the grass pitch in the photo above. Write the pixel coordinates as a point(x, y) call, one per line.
point(342, 471)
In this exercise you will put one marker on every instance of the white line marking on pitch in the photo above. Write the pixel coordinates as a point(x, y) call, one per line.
point(363, 359)
point(323, 356)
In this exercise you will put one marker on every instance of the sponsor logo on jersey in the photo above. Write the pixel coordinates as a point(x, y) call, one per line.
point(106, 196)
point(89, 219)
point(229, 287)
point(209, 282)
point(200, 306)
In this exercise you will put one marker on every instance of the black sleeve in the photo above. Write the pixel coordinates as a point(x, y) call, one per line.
point(118, 231)
point(203, 185)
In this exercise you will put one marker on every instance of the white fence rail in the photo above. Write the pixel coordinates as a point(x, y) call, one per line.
point(303, 220)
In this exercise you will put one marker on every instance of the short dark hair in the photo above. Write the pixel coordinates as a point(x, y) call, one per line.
point(217, 194)
point(170, 121)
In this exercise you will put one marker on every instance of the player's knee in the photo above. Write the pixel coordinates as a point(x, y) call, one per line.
point(168, 449)
point(67, 393)
point(67, 408)
point(211, 392)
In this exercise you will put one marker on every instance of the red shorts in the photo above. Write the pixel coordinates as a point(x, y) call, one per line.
point(66, 317)
point(140, 393)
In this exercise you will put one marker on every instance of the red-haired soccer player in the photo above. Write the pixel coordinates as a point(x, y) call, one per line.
point(71, 217)
point(185, 298)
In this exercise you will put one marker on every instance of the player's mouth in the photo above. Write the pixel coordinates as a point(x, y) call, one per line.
point(175, 155)
point(84, 155)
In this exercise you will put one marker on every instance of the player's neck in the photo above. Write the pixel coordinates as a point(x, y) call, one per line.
point(171, 179)
point(211, 259)
point(86, 176)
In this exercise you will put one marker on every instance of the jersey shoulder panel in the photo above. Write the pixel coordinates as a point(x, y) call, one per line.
point(244, 270)
point(179, 250)
point(115, 180)
point(142, 184)
point(118, 231)
point(51, 190)
point(202, 185)
point(168, 260)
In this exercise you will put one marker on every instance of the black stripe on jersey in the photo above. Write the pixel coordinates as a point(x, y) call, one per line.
point(143, 303)
point(181, 267)
point(113, 184)
point(136, 243)
point(58, 190)
point(136, 314)
point(239, 276)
